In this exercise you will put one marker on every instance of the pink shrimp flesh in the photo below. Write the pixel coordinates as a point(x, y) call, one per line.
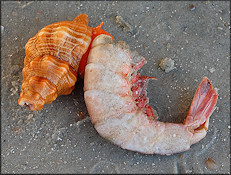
point(116, 99)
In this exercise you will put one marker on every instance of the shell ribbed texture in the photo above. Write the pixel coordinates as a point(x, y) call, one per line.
point(52, 60)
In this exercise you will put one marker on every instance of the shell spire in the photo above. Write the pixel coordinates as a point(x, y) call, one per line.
point(52, 61)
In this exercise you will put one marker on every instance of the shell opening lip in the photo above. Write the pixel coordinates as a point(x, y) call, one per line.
point(27, 104)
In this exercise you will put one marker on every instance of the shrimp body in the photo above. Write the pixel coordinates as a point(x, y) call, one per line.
point(115, 96)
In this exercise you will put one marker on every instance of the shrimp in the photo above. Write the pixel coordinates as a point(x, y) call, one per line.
point(116, 99)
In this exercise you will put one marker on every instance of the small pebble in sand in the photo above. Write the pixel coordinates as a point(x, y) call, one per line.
point(2, 29)
point(212, 70)
point(192, 7)
point(210, 163)
point(167, 64)
point(155, 114)
point(120, 21)
point(30, 116)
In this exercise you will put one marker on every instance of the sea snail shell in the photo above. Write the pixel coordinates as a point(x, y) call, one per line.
point(52, 60)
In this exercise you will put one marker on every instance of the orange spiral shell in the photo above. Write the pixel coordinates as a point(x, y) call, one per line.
point(52, 60)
